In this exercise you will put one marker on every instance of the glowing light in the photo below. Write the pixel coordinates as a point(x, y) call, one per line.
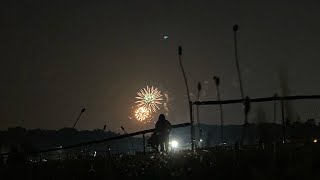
point(174, 144)
point(142, 113)
point(149, 98)
point(315, 140)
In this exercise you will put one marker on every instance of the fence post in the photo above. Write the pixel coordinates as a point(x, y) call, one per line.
point(192, 126)
point(275, 108)
point(283, 124)
point(144, 143)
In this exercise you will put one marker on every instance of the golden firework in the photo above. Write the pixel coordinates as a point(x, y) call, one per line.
point(142, 113)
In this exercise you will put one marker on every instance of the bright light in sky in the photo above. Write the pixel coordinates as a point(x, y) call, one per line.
point(165, 37)
point(149, 98)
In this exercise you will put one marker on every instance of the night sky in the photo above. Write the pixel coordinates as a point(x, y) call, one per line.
point(60, 56)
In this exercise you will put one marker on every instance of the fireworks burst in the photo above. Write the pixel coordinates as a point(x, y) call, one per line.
point(149, 98)
point(142, 113)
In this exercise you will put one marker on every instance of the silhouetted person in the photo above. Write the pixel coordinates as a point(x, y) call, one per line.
point(163, 128)
point(154, 142)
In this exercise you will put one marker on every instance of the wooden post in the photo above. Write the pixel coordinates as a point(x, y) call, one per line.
point(283, 124)
point(144, 143)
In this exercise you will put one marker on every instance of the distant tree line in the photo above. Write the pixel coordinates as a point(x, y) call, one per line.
point(23, 140)
point(262, 132)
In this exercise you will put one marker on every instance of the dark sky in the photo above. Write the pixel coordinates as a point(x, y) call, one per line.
point(59, 56)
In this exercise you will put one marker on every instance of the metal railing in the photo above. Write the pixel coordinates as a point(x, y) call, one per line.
point(88, 143)
point(276, 109)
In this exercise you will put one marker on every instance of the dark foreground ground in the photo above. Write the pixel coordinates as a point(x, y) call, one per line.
point(286, 162)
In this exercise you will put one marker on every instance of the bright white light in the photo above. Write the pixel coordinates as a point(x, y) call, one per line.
point(174, 144)
point(315, 140)
point(201, 140)
point(165, 37)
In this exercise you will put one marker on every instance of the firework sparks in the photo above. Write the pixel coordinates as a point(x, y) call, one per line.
point(149, 98)
point(142, 113)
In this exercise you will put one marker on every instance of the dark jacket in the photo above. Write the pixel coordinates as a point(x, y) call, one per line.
point(163, 127)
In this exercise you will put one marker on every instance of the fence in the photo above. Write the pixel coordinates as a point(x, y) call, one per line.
point(270, 119)
point(132, 143)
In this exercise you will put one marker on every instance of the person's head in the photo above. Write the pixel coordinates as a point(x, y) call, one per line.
point(161, 117)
